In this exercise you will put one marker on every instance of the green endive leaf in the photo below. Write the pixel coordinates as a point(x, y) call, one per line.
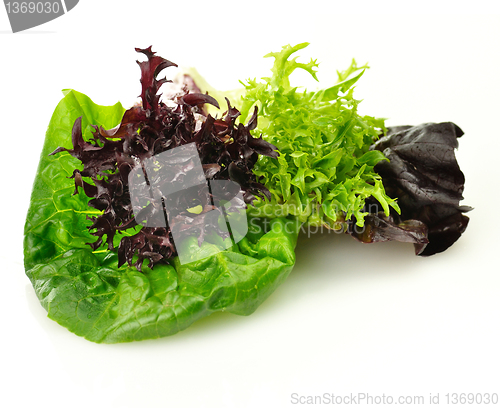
point(323, 143)
point(85, 292)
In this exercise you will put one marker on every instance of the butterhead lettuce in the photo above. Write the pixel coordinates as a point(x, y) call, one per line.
point(85, 291)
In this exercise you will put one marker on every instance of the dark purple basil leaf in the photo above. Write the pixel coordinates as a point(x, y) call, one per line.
point(237, 174)
point(260, 190)
point(90, 190)
point(262, 147)
point(252, 123)
point(211, 170)
point(195, 99)
point(149, 71)
point(129, 125)
point(444, 230)
point(379, 228)
point(423, 173)
point(232, 114)
point(226, 151)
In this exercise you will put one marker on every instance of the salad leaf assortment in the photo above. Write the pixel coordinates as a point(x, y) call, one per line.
point(298, 158)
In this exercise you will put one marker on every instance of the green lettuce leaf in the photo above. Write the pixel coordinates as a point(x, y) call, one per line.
point(325, 170)
point(84, 291)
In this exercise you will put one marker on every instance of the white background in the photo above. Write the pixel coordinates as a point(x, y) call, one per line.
point(350, 317)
